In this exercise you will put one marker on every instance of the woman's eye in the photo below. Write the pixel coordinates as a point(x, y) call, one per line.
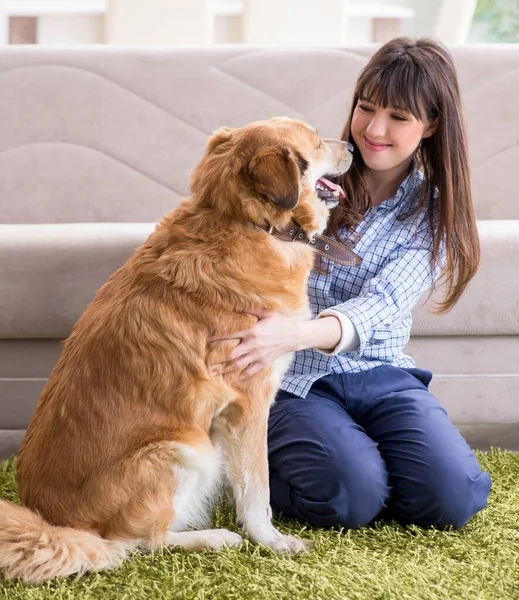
point(399, 118)
point(365, 108)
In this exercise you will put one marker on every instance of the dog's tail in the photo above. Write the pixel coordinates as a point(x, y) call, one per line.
point(33, 550)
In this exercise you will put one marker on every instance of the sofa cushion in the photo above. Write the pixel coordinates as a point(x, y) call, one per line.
point(489, 306)
point(49, 273)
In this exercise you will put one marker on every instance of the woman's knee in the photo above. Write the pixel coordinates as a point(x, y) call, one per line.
point(335, 495)
point(462, 498)
point(448, 500)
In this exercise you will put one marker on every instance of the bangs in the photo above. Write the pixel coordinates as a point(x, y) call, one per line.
point(395, 85)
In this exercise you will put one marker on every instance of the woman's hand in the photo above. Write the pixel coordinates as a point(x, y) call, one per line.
point(273, 335)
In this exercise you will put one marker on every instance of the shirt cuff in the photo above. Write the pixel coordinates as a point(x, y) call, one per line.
point(349, 341)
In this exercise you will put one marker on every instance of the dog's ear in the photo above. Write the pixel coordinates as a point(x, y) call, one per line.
point(219, 137)
point(275, 174)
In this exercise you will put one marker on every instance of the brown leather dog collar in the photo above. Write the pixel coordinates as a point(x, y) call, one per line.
point(325, 246)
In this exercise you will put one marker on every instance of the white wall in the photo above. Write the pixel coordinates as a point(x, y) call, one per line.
point(229, 29)
point(426, 12)
point(70, 30)
point(159, 22)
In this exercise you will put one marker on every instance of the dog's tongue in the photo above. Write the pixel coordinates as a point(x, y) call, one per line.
point(333, 186)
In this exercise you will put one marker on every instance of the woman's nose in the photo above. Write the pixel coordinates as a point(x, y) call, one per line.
point(377, 126)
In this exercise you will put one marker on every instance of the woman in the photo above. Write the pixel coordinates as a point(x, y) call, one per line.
point(355, 434)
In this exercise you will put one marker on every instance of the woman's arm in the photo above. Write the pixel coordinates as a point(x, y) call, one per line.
point(275, 334)
point(389, 296)
point(321, 334)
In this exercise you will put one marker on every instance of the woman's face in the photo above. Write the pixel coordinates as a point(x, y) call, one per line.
point(386, 137)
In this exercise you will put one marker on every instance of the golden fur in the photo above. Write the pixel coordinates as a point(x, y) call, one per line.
point(132, 434)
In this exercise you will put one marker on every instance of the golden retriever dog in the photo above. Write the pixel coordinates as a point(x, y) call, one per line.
point(134, 435)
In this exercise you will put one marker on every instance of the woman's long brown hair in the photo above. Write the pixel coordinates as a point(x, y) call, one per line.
point(419, 76)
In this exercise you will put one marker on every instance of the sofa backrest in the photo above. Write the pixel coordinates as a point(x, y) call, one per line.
point(108, 134)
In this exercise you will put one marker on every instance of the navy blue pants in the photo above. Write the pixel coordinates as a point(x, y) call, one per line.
point(368, 446)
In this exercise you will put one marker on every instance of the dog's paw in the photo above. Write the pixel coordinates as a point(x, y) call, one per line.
point(289, 543)
point(279, 542)
point(216, 539)
point(205, 539)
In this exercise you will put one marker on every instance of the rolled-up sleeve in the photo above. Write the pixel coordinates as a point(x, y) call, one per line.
point(390, 296)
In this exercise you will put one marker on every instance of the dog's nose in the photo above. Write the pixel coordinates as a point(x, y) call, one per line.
point(347, 144)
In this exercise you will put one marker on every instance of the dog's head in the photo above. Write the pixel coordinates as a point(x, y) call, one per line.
point(271, 171)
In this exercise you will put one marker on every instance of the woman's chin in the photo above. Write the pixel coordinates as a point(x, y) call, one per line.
point(379, 163)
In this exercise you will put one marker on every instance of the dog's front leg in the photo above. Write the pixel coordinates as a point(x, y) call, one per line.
point(243, 434)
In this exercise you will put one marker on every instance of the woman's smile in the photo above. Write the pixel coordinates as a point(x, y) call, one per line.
point(375, 146)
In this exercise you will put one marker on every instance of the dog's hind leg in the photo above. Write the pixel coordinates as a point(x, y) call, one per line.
point(172, 491)
point(198, 477)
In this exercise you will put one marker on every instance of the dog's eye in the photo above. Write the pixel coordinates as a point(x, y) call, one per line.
point(320, 145)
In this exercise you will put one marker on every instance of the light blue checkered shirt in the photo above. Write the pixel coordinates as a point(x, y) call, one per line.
point(378, 295)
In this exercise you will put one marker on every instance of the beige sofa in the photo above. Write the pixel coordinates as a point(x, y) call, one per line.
point(97, 143)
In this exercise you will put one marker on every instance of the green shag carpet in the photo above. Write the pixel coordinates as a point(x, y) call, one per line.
point(383, 562)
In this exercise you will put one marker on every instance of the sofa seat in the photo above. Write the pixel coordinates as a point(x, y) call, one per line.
point(51, 272)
